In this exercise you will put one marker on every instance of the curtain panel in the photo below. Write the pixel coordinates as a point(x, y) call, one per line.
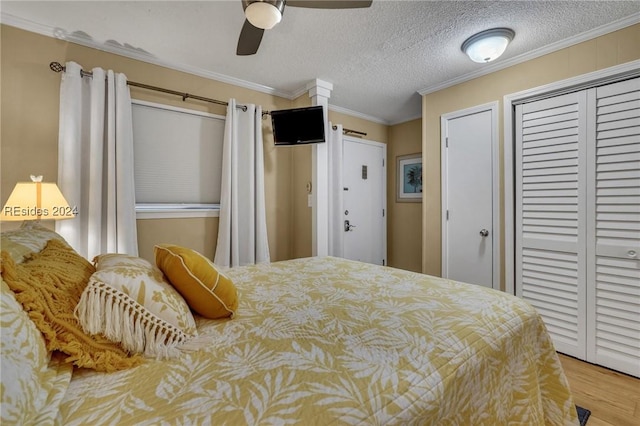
point(95, 162)
point(242, 231)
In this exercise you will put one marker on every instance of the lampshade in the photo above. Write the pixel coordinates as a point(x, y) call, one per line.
point(263, 14)
point(488, 45)
point(36, 200)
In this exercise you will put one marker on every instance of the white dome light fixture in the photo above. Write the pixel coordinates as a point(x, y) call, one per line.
point(487, 45)
point(264, 14)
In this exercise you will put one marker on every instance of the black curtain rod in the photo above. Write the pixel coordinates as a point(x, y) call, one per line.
point(57, 67)
point(347, 131)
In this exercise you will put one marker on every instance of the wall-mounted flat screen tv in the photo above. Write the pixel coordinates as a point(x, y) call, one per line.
point(298, 126)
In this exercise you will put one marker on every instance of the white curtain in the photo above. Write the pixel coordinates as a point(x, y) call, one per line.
point(242, 231)
point(336, 215)
point(95, 162)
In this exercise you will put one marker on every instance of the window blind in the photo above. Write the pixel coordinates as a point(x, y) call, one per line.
point(178, 155)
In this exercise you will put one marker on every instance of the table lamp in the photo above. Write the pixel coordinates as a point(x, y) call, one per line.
point(37, 200)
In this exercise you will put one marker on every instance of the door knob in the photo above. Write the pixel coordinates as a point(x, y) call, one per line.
point(484, 233)
point(348, 226)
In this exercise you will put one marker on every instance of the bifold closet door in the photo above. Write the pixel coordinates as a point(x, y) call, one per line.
point(613, 254)
point(550, 215)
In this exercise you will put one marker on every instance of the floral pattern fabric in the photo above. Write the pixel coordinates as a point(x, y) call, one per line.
point(129, 301)
point(331, 341)
point(32, 384)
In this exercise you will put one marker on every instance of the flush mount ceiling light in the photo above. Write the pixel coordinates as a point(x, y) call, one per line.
point(264, 14)
point(487, 45)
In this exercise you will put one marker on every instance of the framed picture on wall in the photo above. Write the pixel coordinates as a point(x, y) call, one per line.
point(409, 178)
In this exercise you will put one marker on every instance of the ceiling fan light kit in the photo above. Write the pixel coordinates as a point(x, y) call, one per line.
point(488, 45)
point(264, 14)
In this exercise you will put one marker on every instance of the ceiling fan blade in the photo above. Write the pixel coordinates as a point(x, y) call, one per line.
point(330, 4)
point(250, 38)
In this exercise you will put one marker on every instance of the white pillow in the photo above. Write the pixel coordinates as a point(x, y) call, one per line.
point(129, 301)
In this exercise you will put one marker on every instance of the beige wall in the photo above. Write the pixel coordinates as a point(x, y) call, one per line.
point(404, 221)
point(375, 131)
point(602, 52)
point(302, 243)
point(29, 134)
point(198, 233)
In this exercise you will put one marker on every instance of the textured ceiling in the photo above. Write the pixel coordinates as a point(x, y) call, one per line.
point(377, 59)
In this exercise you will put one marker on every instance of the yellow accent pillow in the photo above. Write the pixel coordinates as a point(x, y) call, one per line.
point(129, 301)
point(207, 291)
point(48, 285)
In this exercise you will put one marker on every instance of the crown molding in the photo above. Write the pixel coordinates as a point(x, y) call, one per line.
point(305, 89)
point(356, 114)
point(406, 119)
point(136, 54)
point(490, 68)
point(301, 91)
point(140, 55)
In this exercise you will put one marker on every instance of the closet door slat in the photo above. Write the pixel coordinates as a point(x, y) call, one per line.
point(550, 218)
point(614, 213)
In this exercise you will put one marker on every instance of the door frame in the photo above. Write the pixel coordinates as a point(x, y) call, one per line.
point(495, 184)
point(346, 138)
point(584, 81)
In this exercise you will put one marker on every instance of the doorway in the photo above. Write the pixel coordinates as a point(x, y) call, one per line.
point(470, 196)
point(364, 222)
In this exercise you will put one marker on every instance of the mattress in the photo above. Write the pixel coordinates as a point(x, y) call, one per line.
point(332, 341)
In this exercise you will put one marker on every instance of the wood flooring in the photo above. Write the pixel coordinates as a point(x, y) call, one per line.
point(613, 398)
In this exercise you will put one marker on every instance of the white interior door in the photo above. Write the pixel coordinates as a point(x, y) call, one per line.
point(469, 196)
point(550, 215)
point(613, 213)
point(364, 201)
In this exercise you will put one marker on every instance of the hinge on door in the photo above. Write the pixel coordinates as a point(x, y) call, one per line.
point(447, 214)
point(383, 162)
point(446, 142)
point(382, 212)
point(383, 262)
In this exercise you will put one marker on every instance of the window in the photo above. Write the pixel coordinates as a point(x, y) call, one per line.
point(177, 161)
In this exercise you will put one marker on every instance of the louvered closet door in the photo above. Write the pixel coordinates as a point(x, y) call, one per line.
point(550, 215)
point(613, 308)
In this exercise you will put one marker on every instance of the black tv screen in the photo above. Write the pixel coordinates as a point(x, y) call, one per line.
point(298, 125)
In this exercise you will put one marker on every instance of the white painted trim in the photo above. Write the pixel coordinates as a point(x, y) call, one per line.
point(177, 109)
point(176, 214)
point(176, 211)
point(608, 75)
point(132, 53)
point(356, 114)
point(589, 319)
point(573, 84)
point(143, 56)
point(497, 66)
point(444, 183)
point(319, 92)
point(406, 119)
point(495, 184)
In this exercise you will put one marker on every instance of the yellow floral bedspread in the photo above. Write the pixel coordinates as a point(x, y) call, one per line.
point(328, 341)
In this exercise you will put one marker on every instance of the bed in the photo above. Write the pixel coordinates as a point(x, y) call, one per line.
point(319, 340)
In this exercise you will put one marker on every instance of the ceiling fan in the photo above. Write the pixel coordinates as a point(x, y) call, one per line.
point(265, 14)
